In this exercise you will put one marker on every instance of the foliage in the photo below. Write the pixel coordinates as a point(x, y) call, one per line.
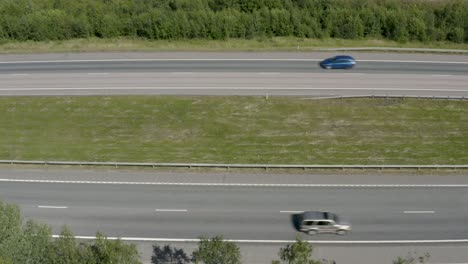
point(105, 251)
point(32, 243)
point(217, 251)
point(300, 252)
point(399, 20)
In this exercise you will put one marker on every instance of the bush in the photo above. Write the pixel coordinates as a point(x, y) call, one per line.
point(217, 251)
point(398, 20)
point(32, 243)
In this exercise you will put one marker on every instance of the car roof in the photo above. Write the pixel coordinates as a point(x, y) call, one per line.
point(316, 215)
point(344, 57)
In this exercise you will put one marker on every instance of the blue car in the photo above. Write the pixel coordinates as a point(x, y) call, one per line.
point(338, 62)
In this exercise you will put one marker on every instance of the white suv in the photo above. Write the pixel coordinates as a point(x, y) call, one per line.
point(315, 222)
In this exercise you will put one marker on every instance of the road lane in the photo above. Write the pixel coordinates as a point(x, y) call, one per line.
point(242, 212)
point(185, 73)
point(254, 65)
point(236, 83)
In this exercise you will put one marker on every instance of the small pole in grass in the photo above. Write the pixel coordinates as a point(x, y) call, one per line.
point(266, 96)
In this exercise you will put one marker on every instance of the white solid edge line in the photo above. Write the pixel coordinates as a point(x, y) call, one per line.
point(291, 212)
point(281, 241)
point(246, 184)
point(170, 210)
point(52, 207)
point(224, 88)
point(418, 212)
point(233, 59)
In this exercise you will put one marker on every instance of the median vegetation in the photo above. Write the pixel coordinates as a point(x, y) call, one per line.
point(398, 20)
point(275, 130)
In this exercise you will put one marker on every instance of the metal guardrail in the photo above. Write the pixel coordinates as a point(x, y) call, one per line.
point(228, 166)
point(389, 96)
point(394, 49)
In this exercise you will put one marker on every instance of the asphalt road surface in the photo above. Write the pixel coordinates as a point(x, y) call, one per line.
point(243, 212)
point(144, 204)
point(238, 74)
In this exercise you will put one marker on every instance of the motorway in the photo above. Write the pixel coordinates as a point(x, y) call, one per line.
point(404, 211)
point(234, 74)
point(398, 211)
point(251, 212)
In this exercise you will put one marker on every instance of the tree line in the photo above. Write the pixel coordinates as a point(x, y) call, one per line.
point(399, 20)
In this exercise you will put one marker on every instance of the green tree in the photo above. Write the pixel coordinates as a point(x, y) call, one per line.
point(65, 249)
point(396, 25)
point(217, 251)
point(32, 243)
point(300, 252)
point(28, 243)
point(105, 251)
point(37, 243)
point(11, 233)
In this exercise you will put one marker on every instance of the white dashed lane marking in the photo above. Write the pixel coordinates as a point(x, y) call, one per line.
point(171, 210)
point(52, 207)
point(418, 212)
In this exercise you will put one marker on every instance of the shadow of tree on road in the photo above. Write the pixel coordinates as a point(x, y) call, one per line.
point(169, 255)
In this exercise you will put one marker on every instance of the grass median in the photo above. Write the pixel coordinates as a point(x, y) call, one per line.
point(259, 44)
point(277, 130)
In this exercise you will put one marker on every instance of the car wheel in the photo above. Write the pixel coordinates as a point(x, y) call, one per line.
point(312, 232)
point(341, 232)
point(328, 67)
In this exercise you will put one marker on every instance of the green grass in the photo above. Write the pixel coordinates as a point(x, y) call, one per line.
point(265, 44)
point(234, 130)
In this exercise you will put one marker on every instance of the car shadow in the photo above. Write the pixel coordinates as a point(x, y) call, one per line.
point(295, 221)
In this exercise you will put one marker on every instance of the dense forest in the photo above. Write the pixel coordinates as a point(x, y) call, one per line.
point(400, 20)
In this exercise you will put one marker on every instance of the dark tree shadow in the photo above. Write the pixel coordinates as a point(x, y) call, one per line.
point(168, 255)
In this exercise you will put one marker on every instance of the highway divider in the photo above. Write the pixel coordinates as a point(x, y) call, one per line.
point(228, 166)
